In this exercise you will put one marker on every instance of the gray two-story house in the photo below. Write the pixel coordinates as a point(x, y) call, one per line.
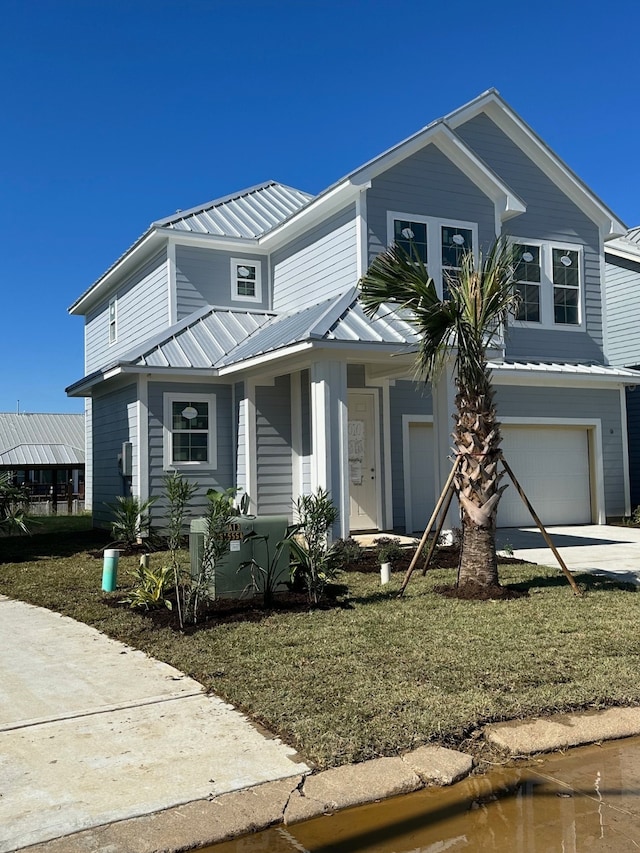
point(228, 342)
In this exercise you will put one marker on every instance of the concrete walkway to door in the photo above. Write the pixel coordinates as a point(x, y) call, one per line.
point(600, 549)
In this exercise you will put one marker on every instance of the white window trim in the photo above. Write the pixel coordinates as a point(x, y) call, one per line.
point(434, 224)
point(238, 262)
point(212, 444)
point(547, 315)
point(112, 340)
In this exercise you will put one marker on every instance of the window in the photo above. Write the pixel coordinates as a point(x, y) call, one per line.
point(527, 276)
point(566, 286)
point(440, 244)
point(246, 280)
point(548, 280)
point(190, 429)
point(113, 320)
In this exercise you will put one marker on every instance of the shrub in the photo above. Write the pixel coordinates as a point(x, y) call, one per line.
point(150, 588)
point(312, 562)
point(346, 551)
point(131, 519)
point(388, 549)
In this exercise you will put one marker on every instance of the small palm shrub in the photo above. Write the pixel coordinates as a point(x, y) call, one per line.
point(131, 520)
point(312, 561)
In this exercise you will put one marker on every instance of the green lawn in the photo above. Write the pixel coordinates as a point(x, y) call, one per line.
point(377, 675)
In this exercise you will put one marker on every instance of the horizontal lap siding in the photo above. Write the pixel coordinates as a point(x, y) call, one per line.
point(550, 215)
point(241, 438)
point(406, 398)
point(588, 403)
point(88, 452)
point(426, 184)
point(142, 311)
point(222, 477)
point(633, 421)
point(623, 293)
point(273, 448)
point(305, 406)
point(112, 425)
point(203, 277)
point(320, 264)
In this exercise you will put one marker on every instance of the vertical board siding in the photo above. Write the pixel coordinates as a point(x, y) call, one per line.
point(142, 311)
point(111, 426)
point(552, 216)
point(320, 264)
point(426, 184)
point(222, 477)
point(588, 403)
point(203, 277)
point(406, 398)
point(241, 435)
point(88, 454)
point(273, 448)
point(633, 423)
point(623, 287)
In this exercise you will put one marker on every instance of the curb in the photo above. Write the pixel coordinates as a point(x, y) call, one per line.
point(297, 798)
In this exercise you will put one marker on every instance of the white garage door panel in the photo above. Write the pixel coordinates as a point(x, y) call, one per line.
point(423, 498)
point(552, 466)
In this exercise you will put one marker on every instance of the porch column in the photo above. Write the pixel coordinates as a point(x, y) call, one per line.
point(444, 405)
point(329, 429)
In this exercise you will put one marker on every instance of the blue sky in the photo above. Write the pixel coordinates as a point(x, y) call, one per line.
point(114, 114)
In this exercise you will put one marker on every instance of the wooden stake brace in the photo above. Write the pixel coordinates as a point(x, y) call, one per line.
point(444, 501)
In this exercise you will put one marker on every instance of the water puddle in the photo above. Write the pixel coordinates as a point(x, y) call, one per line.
point(585, 800)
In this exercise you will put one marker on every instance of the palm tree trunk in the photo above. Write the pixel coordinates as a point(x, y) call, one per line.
point(478, 563)
point(477, 437)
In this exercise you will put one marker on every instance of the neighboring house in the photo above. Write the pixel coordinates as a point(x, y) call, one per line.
point(228, 342)
point(622, 273)
point(45, 452)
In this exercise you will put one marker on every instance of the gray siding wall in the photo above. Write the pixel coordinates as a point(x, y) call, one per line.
point(142, 311)
point(88, 453)
point(528, 402)
point(320, 264)
point(550, 215)
point(203, 277)
point(405, 398)
point(426, 184)
point(273, 448)
point(623, 300)
point(222, 477)
point(241, 435)
point(112, 424)
point(305, 406)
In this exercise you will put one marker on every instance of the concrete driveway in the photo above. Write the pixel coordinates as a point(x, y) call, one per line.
point(601, 549)
point(92, 731)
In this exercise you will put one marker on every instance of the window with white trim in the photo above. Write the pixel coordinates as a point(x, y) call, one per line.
point(190, 431)
point(246, 280)
point(439, 243)
point(549, 280)
point(113, 320)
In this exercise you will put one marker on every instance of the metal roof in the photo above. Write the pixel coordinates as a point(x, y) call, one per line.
point(249, 213)
point(221, 337)
point(201, 340)
point(591, 369)
point(41, 439)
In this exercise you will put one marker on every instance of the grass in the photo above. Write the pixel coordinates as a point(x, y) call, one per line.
point(377, 675)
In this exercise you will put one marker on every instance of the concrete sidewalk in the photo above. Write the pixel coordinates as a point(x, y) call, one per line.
point(92, 731)
point(599, 549)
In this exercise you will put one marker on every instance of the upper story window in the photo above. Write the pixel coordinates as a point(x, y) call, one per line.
point(440, 244)
point(548, 279)
point(246, 280)
point(113, 320)
point(190, 430)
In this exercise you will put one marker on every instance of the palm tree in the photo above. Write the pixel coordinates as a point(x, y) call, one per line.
point(462, 325)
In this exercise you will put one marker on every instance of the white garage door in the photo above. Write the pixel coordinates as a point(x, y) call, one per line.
point(552, 466)
point(420, 465)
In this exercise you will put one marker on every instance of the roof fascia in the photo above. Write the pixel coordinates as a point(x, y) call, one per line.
point(213, 241)
point(440, 135)
point(317, 210)
point(510, 376)
point(126, 264)
point(492, 105)
point(623, 250)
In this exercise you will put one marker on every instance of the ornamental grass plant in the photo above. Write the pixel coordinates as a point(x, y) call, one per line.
point(373, 675)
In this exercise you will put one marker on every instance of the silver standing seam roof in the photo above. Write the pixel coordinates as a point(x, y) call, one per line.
point(28, 440)
point(219, 337)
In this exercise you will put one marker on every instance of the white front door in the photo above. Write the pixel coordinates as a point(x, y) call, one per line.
point(363, 461)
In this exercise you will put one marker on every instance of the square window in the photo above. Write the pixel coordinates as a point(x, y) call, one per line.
point(411, 237)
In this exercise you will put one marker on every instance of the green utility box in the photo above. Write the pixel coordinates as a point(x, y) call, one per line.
point(229, 581)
